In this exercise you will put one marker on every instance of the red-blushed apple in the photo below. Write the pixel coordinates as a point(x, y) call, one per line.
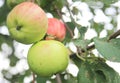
point(48, 57)
point(56, 29)
point(27, 23)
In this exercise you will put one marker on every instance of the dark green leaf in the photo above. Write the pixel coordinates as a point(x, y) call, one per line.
point(82, 31)
point(76, 60)
point(85, 74)
point(68, 78)
point(52, 6)
point(19, 78)
point(12, 3)
point(68, 34)
point(3, 13)
point(75, 11)
point(59, 3)
point(97, 72)
point(71, 25)
point(65, 78)
point(108, 73)
point(6, 39)
point(13, 59)
point(98, 27)
point(110, 50)
point(41, 79)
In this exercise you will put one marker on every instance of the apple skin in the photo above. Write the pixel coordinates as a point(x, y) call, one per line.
point(27, 23)
point(56, 29)
point(48, 57)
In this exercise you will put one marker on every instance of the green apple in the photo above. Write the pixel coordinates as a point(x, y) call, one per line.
point(56, 29)
point(48, 57)
point(27, 23)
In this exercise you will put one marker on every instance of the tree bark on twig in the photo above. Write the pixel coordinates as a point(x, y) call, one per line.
point(33, 81)
point(58, 78)
point(60, 15)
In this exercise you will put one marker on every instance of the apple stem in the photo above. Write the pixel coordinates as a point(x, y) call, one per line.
point(19, 27)
point(33, 78)
point(58, 79)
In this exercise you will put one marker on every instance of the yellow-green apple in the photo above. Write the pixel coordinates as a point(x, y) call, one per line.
point(56, 29)
point(27, 23)
point(48, 57)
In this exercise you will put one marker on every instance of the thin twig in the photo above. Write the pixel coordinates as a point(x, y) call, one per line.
point(33, 81)
point(114, 35)
point(60, 15)
point(58, 79)
point(71, 16)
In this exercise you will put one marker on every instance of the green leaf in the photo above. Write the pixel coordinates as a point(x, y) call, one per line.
point(116, 42)
point(110, 50)
point(41, 79)
point(97, 72)
point(52, 6)
point(12, 3)
point(78, 62)
point(68, 36)
point(107, 2)
point(81, 43)
point(68, 78)
point(3, 13)
point(85, 74)
point(59, 3)
point(109, 74)
point(71, 25)
point(19, 78)
point(97, 27)
point(75, 11)
point(13, 59)
point(6, 39)
point(65, 78)
point(82, 31)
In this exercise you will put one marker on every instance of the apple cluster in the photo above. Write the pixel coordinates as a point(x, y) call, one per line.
point(28, 24)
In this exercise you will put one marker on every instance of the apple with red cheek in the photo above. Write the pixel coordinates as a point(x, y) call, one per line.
point(56, 30)
point(27, 23)
point(48, 57)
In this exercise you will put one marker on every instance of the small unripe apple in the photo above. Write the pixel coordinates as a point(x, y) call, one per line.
point(27, 23)
point(56, 29)
point(48, 57)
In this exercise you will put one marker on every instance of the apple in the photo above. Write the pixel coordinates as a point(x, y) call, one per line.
point(27, 23)
point(47, 57)
point(12, 3)
point(56, 29)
